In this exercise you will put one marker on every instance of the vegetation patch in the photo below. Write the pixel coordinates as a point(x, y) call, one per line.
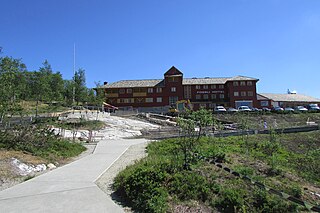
point(175, 175)
point(78, 123)
point(39, 141)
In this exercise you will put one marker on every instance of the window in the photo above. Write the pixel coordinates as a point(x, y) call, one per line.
point(221, 96)
point(198, 87)
point(221, 86)
point(250, 93)
point(128, 100)
point(205, 96)
point(129, 91)
point(149, 100)
point(213, 86)
point(243, 93)
point(235, 83)
point(205, 86)
point(249, 83)
point(140, 100)
point(121, 91)
point(198, 97)
point(236, 94)
point(173, 100)
point(173, 79)
point(159, 99)
point(173, 89)
point(213, 96)
point(242, 83)
point(264, 103)
point(150, 90)
point(137, 90)
point(159, 89)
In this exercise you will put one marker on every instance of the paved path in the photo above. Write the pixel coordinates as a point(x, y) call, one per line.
point(70, 188)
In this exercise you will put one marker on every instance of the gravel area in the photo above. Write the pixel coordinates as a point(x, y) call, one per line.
point(134, 153)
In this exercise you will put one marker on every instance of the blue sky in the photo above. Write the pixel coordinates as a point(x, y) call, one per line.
point(276, 41)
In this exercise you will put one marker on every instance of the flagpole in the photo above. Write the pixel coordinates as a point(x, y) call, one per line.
point(74, 73)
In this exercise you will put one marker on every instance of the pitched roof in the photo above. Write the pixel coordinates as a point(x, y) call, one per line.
point(173, 71)
point(242, 78)
point(135, 83)
point(194, 81)
point(186, 81)
point(290, 97)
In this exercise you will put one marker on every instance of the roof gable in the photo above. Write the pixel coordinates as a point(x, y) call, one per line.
point(173, 71)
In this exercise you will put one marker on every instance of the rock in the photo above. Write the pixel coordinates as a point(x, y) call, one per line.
point(40, 168)
point(51, 166)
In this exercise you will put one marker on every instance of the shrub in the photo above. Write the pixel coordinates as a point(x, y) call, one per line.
point(39, 141)
point(244, 170)
point(141, 185)
point(230, 199)
point(189, 185)
point(265, 203)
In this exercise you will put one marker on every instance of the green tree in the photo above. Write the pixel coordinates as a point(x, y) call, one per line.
point(11, 84)
point(56, 86)
point(68, 91)
point(99, 95)
point(80, 89)
point(192, 127)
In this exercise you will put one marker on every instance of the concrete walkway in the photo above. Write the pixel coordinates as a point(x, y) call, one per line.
point(70, 188)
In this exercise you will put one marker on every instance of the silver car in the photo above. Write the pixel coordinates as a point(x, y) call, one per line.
point(301, 109)
point(219, 109)
point(244, 109)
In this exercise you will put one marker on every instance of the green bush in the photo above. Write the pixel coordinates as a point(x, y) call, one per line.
point(244, 170)
point(39, 141)
point(265, 203)
point(189, 185)
point(230, 199)
point(142, 187)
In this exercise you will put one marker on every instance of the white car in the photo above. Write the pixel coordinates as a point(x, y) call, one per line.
point(301, 109)
point(288, 109)
point(219, 109)
point(244, 109)
point(232, 110)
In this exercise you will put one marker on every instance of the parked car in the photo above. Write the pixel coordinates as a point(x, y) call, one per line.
point(254, 109)
point(313, 107)
point(277, 109)
point(300, 109)
point(219, 109)
point(232, 110)
point(244, 109)
point(266, 109)
point(288, 109)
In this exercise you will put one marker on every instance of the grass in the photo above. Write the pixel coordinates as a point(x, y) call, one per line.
point(29, 107)
point(288, 163)
point(39, 141)
point(282, 120)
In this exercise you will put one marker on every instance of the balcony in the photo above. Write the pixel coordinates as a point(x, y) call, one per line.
point(112, 95)
point(139, 94)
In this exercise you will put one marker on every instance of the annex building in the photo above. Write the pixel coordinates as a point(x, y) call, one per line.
point(285, 100)
point(200, 92)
